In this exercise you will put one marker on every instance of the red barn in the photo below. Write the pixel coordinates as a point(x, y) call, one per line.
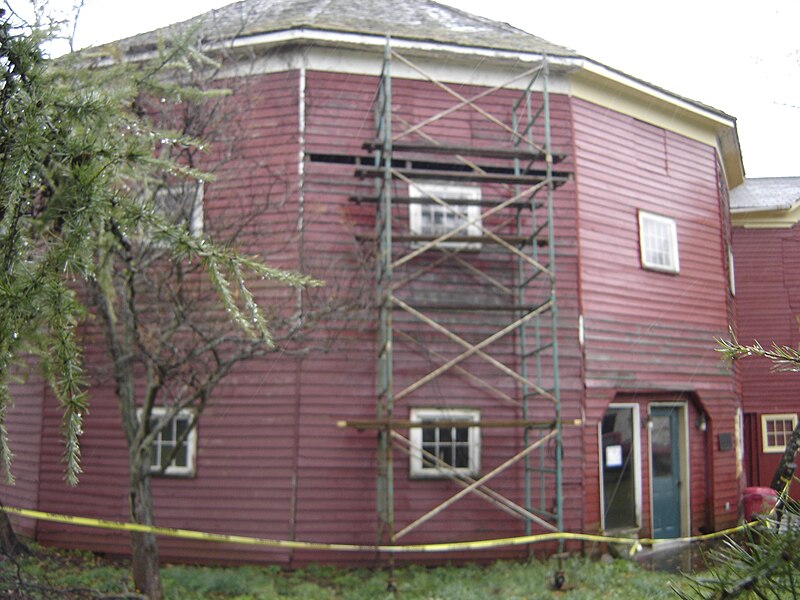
point(547, 240)
point(766, 245)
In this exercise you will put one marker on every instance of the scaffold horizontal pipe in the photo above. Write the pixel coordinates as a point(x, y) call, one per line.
point(433, 424)
point(538, 350)
point(465, 175)
point(372, 199)
point(462, 239)
point(488, 152)
point(476, 307)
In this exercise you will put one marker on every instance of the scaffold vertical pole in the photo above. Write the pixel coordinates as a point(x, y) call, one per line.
point(554, 311)
point(383, 158)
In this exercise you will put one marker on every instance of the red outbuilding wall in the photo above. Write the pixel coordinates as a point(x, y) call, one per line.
point(768, 305)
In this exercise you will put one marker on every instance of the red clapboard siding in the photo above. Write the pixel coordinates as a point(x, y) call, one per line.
point(271, 461)
point(646, 330)
point(246, 449)
point(767, 304)
point(339, 466)
point(24, 425)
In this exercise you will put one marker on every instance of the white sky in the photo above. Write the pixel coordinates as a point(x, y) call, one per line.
point(740, 56)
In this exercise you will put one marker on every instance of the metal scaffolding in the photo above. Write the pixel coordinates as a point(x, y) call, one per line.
point(474, 296)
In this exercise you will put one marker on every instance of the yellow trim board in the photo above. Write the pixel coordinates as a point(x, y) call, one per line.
point(767, 219)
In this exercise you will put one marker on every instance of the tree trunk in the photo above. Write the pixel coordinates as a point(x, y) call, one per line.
point(9, 543)
point(144, 550)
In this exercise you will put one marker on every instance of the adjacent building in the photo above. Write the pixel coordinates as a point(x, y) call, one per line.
point(766, 246)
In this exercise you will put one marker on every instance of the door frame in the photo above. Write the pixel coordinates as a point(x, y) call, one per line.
point(637, 456)
point(683, 459)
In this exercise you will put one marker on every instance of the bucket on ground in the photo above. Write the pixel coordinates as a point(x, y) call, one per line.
point(758, 501)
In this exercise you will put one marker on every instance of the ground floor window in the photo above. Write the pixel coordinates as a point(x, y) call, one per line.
point(619, 433)
point(446, 445)
point(174, 446)
point(776, 431)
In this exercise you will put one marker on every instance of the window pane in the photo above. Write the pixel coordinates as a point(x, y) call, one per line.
point(166, 451)
point(660, 438)
point(446, 454)
point(181, 457)
point(181, 425)
point(462, 457)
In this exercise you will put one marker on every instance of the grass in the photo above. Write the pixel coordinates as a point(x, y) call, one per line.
point(49, 573)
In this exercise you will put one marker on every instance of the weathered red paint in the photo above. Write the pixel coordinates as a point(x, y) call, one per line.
point(768, 302)
point(271, 461)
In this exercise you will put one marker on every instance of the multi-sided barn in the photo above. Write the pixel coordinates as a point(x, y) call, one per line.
point(546, 240)
point(766, 245)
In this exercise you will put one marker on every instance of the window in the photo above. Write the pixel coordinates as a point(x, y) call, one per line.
point(658, 242)
point(457, 447)
point(181, 202)
point(731, 273)
point(173, 434)
point(432, 219)
point(776, 431)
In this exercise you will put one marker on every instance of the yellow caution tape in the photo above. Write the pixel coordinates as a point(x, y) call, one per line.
point(635, 543)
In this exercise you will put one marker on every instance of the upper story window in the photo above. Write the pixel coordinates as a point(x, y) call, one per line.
point(443, 450)
point(174, 447)
point(776, 431)
point(430, 218)
point(658, 242)
point(181, 203)
point(731, 272)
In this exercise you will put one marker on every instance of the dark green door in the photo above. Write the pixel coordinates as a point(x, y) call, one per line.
point(665, 461)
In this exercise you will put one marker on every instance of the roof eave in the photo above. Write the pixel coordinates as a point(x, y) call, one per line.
point(775, 217)
point(356, 39)
point(721, 123)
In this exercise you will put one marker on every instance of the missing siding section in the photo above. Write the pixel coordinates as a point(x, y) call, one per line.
point(421, 165)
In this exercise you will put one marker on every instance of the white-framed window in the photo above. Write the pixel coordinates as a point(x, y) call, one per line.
point(776, 430)
point(731, 272)
point(181, 203)
point(440, 449)
point(429, 218)
point(658, 242)
point(175, 434)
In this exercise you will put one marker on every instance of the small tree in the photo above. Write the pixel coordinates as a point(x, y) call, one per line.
point(79, 151)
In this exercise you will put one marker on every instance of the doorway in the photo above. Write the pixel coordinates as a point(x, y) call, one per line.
point(669, 471)
point(620, 468)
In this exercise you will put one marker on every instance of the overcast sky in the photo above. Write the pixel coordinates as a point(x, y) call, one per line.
point(740, 56)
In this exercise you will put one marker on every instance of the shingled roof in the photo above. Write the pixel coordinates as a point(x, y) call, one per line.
point(421, 20)
point(766, 193)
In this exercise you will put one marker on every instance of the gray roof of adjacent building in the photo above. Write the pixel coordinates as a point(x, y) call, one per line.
point(422, 20)
point(766, 193)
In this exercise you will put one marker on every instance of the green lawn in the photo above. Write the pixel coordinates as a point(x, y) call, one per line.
point(48, 573)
